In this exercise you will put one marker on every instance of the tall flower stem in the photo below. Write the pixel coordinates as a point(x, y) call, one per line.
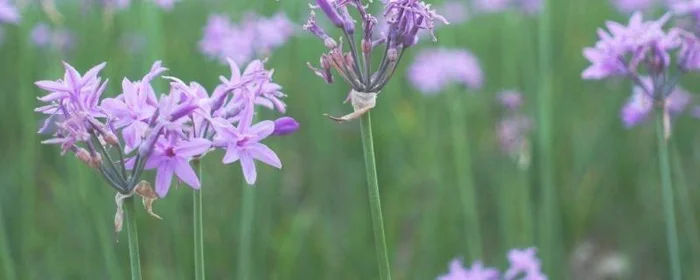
point(667, 196)
point(131, 231)
point(374, 199)
point(197, 221)
point(465, 182)
point(548, 223)
point(246, 235)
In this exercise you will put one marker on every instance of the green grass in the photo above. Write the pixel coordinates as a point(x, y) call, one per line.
point(591, 180)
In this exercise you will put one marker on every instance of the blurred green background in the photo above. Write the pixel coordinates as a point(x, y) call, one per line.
point(311, 219)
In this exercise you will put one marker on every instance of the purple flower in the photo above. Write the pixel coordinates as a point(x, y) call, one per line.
point(132, 110)
point(454, 12)
point(285, 126)
point(476, 272)
point(492, 6)
point(620, 51)
point(640, 105)
point(172, 156)
point(524, 262)
point(166, 4)
point(511, 99)
point(8, 13)
point(73, 106)
point(435, 69)
point(407, 17)
point(41, 35)
point(245, 146)
point(272, 32)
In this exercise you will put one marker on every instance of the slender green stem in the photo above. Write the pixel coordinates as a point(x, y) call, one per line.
point(549, 241)
point(134, 257)
point(374, 200)
point(246, 236)
point(686, 206)
point(667, 197)
point(6, 261)
point(197, 217)
point(463, 172)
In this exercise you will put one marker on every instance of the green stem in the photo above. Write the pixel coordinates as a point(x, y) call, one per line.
point(197, 217)
point(463, 172)
point(548, 240)
point(134, 258)
point(374, 200)
point(686, 206)
point(667, 197)
point(8, 264)
point(245, 238)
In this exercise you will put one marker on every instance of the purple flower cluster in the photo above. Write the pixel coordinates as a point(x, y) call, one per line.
point(405, 18)
point(494, 6)
point(514, 127)
point(9, 13)
point(60, 39)
point(524, 264)
point(163, 132)
point(644, 52)
point(124, 4)
point(254, 36)
point(435, 69)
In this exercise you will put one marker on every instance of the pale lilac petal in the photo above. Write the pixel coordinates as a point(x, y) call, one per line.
point(232, 154)
point(265, 154)
point(194, 147)
point(184, 171)
point(164, 177)
point(248, 166)
point(51, 86)
point(261, 130)
point(54, 96)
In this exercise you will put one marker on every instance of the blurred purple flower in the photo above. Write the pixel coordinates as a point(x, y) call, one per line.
point(640, 105)
point(511, 99)
point(256, 35)
point(133, 43)
point(455, 12)
point(172, 156)
point(525, 263)
point(166, 4)
point(491, 6)
point(619, 52)
point(476, 272)
point(9, 13)
point(435, 69)
point(41, 35)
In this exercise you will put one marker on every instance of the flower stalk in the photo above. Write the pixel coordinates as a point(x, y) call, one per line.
point(132, 233)
point(374, 197)
point(667, 193)
point(197, 217)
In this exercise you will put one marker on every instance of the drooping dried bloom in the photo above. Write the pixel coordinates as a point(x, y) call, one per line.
point(436, 69)
point(405, 18)
point(9, 13)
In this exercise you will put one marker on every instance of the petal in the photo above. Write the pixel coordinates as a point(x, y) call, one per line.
point(194, 147)
point(261, 130)
point(248, 166)
point(184, 171)
point(235, 70)
point(232, 154)
point(155, 160)
point(265, 154)
point(51, 86)
point(164, 178)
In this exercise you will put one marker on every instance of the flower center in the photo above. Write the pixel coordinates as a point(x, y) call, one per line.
point(170, 152)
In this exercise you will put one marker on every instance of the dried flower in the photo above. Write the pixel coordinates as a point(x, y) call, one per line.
point(404, 18)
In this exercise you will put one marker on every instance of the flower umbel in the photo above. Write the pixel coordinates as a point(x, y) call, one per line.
point(405, 19)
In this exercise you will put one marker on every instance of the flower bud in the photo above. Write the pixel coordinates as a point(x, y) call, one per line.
point(83, 155)
point(330, 11)
point(110, 138)
point(348, 21)
point(95, 161)
point(366, 46)
point(392, 54)
point(285, 126)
